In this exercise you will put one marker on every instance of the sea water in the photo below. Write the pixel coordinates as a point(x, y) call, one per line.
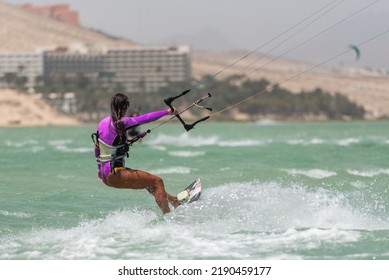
point(271, 190)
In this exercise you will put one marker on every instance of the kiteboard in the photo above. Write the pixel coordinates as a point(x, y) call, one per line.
point(191, 193)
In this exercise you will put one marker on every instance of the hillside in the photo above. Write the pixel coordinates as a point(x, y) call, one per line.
point(25, 110)
point(367, 88)
point(23, 31)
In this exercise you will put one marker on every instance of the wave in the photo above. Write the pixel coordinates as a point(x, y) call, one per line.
point(16, 214)
point(243, 143)
point(32, 145)
point(255, 206)
point(62, 145)
point(60, 142)
point(21, 144)
point(305, 142)
point(80, 150)
point(186, 140)
point(312, 173)
point(89, 240)
point(347, 141)
point(369, 173)
point(183, 140)
point(187, 154)
point(171, 170)
point(318, 141)
point(238, 220)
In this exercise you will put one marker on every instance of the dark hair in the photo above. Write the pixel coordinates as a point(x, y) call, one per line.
point(119, 106)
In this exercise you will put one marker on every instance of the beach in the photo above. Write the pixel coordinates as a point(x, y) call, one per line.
point(17, 109)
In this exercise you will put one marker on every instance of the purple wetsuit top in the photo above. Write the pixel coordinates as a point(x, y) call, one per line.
point(108, 134)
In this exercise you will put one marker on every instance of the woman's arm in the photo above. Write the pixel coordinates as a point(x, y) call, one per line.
point(146, 118)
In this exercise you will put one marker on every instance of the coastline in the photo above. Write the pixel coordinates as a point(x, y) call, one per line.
point(24, 110)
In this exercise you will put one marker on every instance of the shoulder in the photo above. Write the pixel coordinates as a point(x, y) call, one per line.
point(106, 130)
point(104, 121)
point(105, 125)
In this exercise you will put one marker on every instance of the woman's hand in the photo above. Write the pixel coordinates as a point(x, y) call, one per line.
point(173, 111)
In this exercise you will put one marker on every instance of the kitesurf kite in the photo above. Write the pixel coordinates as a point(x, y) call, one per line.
point(357, 51)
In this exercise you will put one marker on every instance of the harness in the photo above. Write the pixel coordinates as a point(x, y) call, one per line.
point(107, 153)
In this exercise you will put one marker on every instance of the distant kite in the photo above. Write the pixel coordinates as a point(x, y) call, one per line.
point(357, 51)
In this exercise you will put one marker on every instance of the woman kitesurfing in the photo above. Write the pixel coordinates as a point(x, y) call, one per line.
point(111, 143)
point(111, 148)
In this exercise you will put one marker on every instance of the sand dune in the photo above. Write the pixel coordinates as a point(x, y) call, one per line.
point(18, 109)
point(23, 31)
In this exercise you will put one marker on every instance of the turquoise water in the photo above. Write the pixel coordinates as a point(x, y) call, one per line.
point(270, 191)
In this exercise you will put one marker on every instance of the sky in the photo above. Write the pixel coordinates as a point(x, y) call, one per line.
point(247, 25)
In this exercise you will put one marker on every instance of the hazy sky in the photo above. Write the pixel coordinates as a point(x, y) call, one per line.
point(245, 24)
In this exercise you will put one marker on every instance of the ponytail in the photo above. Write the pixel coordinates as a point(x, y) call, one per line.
point(119, 106)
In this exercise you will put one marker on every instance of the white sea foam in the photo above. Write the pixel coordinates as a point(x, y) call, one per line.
point(60, 142)
point(31, 144)
point(306, 142)
point(16, 214)
point(294, 239)
point(347, 141)
point(245, 220)
point(243, 143)
point(318, 141)
point(225, 168)
point(89, 240)
point(369, 173)
point(295, 141)
point(62, 145)
point(187, 154)
point(183, 140)
point(186, 140)
point(312, 173)
point(81, 150)
point(21, 143)
point(295, 207)
point(158, 148)
point(359, 185)
point(172, 170)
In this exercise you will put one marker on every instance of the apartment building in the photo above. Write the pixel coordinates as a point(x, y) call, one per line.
point(60, 64)
point(14, 65)
point(139, 69)
point(146, 69)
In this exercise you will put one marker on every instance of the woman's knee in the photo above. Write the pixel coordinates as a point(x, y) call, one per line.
point(158, 181)
point(158, 184)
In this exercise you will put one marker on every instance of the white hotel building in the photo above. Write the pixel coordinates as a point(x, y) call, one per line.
point(139, 69)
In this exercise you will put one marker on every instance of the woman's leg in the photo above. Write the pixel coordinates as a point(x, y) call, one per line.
point(137, 179)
